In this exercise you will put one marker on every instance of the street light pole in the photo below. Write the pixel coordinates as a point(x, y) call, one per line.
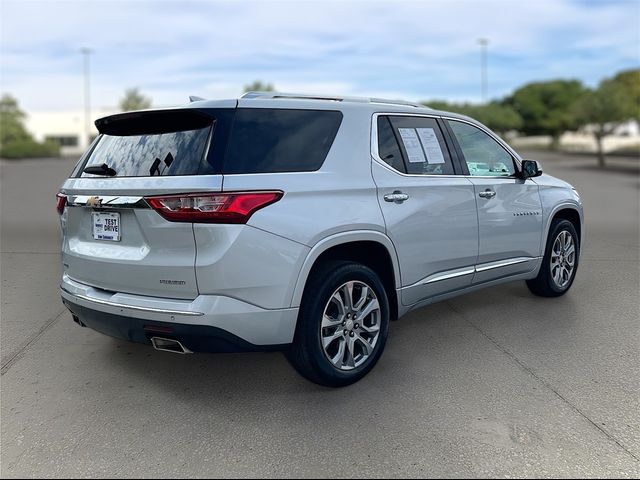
point(87, 98)
point(484, 42)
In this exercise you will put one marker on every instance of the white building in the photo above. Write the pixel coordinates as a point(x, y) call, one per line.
point(65, 127)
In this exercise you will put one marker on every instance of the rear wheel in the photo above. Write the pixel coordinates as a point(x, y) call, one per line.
point(342, 326)
point(560, 261)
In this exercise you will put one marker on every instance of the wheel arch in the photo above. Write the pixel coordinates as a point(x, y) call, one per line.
point(371, 248)
point(567, 211)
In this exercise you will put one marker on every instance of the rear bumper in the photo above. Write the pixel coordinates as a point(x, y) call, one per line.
point(206, 324)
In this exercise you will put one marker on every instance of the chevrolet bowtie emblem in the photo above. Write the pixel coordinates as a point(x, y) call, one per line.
point(94, 202)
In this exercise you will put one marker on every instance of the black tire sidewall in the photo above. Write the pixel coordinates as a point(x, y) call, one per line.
point(312, 310)
point(557, 227)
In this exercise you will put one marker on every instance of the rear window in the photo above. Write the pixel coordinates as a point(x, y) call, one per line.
point(147, 155)
point(280, 140)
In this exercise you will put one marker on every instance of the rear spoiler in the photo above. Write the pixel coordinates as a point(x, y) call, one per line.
point(149, 122)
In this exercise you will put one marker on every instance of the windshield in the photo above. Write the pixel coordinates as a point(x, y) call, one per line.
point(175, 153)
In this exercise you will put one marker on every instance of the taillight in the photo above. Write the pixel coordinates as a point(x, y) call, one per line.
point(61, 202)
point(232, 207)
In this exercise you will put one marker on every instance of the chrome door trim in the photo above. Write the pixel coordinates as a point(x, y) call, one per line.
point(106, 201)
point(445, 275)
point(483, 267)
point(459, 272)
point(130, 307)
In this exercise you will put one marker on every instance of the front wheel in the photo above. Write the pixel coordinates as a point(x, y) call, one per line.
point(342, 326)
point(560, 261)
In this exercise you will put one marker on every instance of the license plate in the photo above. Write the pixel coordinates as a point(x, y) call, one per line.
point(106, 226)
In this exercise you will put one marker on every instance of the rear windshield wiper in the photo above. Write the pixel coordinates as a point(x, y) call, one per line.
point(103, 169)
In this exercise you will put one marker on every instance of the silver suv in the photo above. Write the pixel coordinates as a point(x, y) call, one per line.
point(301, 223)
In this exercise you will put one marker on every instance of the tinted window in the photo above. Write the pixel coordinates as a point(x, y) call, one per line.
point(280, 140)
point(484, 156)
point(423, 146)
point(388, 149)
point(176, 153)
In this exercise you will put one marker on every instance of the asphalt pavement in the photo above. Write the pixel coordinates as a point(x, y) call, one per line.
point(497, 383)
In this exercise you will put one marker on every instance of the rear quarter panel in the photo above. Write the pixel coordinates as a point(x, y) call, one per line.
point(339, 197)
point(323, 208)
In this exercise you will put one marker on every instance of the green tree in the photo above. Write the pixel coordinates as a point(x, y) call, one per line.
point(630, 81)
point(443, 105)
point(134, 100)
point(615, 101)
point(498, 117)
point(11, 121)
point(547, 108)
point(15, 140)
point(259, 86)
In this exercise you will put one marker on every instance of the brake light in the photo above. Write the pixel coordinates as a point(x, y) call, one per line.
point(61, 202)
point(232, 207)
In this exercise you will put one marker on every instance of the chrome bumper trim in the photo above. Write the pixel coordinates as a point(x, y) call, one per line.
point(131, 307)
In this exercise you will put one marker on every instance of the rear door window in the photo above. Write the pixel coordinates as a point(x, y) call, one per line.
point(423, 145)
point(280, 140)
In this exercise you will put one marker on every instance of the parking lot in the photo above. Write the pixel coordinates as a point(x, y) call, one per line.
point(497, 383)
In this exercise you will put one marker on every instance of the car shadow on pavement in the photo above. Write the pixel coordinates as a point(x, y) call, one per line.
point(437, 336)
point(225, 378)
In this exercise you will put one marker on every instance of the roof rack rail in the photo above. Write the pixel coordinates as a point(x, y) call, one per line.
point(397, 102)
point(298, 96)
point(303, 96)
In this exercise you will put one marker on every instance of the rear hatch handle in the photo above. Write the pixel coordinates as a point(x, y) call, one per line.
point(106, 201)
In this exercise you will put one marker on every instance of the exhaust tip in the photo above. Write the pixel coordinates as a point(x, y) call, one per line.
point(169, 345)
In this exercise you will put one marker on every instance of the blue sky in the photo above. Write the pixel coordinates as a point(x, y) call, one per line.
point(412, 50)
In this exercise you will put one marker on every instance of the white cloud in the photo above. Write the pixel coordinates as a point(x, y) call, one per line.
point(415, 50)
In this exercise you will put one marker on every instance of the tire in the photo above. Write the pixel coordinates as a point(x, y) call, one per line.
point(552, 280)
point(326, 288)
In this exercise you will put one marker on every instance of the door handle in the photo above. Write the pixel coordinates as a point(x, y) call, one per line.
point(396, 197)
point(488, 193)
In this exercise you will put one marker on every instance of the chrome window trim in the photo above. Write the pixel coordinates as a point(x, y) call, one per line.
point(502, 143)
point(514, 155)
point(374, 144)
point(376, 156)
point(412, 175)
point(130, 307)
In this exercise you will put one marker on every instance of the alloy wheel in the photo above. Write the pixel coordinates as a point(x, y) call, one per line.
point(350, 325)
point(563, 259)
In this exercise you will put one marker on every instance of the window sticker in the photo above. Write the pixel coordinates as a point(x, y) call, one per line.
point(412, 145)
point(431, 145)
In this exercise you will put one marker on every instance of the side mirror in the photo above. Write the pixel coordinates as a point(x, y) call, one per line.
point(530, 168)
